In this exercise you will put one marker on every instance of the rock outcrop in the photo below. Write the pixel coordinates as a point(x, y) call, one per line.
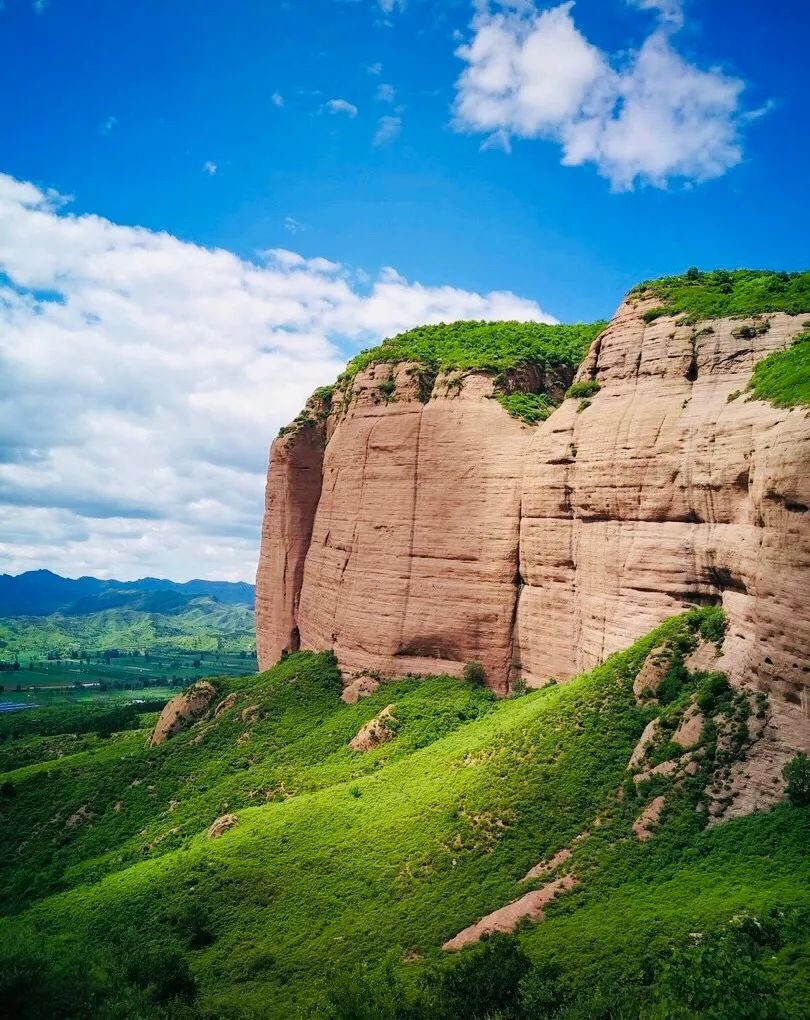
point(416, 526)
point(183, 710)
point(376, 731)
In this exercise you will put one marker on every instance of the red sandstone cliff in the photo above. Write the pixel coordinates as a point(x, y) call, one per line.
point(413, 537)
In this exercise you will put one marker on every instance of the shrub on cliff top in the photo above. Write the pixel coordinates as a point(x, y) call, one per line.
point(493, 346)
point(722, 292)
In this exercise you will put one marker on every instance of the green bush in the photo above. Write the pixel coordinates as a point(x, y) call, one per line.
point(583, 388)
point(529, 407)
point(710, 623)
point(797, 775)
point(475, 674)
point(712, 690)
point(659, 312)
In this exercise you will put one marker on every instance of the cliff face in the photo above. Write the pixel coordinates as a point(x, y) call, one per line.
point(414, 551)
point(445, 530)
point(664, 492)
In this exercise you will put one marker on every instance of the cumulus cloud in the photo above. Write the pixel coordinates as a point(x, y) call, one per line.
point(648, 118)
point(210, 168)
point(142, 378)
point(341, 106)
point(277, 99)
point(386, 93)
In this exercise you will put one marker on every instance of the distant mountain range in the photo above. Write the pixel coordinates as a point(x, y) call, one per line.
point(41, 592)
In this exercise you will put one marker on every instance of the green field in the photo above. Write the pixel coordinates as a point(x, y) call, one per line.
point(108, 655)
point(158, 673)
point(345, 871)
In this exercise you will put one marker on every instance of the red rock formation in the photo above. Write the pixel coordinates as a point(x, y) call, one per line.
point(445, 531)
point(183, 710)
point(664, 491)
point(413, 554)
point(291, 499)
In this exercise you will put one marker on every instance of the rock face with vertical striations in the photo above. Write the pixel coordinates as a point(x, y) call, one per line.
point(415, 525)
point(669, 490)
point(412, 558)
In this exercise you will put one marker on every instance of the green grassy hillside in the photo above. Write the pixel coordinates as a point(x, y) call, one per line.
point(201, 624)
point(345, 871)
point(783, 378)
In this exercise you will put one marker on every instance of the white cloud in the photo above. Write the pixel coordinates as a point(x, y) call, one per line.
point(292, 225)
point(341, 106)
point(277, 99)
point(670, 11)
point(386, 93)
point(389, 6)
point(649, 118)
point(387, 129)
point(374, 68)
point(142, 379)
point(210, 167)
point(108, 125)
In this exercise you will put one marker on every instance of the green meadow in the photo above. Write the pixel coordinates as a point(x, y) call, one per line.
point(345, 871)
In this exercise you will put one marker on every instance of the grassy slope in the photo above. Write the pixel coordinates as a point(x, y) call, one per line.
point(783, 378)
point(351, 856)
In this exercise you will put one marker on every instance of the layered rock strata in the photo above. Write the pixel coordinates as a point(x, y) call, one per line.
point(416, 526)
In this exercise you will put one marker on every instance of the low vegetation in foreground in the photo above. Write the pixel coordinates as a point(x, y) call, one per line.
point(333, 877)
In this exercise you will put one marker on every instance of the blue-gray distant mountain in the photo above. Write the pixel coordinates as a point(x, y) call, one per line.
point(40, 592)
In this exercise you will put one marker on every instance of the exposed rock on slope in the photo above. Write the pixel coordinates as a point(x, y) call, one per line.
point(183, 710)
point(445, 530)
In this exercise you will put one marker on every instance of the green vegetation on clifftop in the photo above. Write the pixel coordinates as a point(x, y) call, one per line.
point(491, 346)
point(723, 292)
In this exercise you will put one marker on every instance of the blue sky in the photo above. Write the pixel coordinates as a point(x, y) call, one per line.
point(192, 82)
point(306, 178)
